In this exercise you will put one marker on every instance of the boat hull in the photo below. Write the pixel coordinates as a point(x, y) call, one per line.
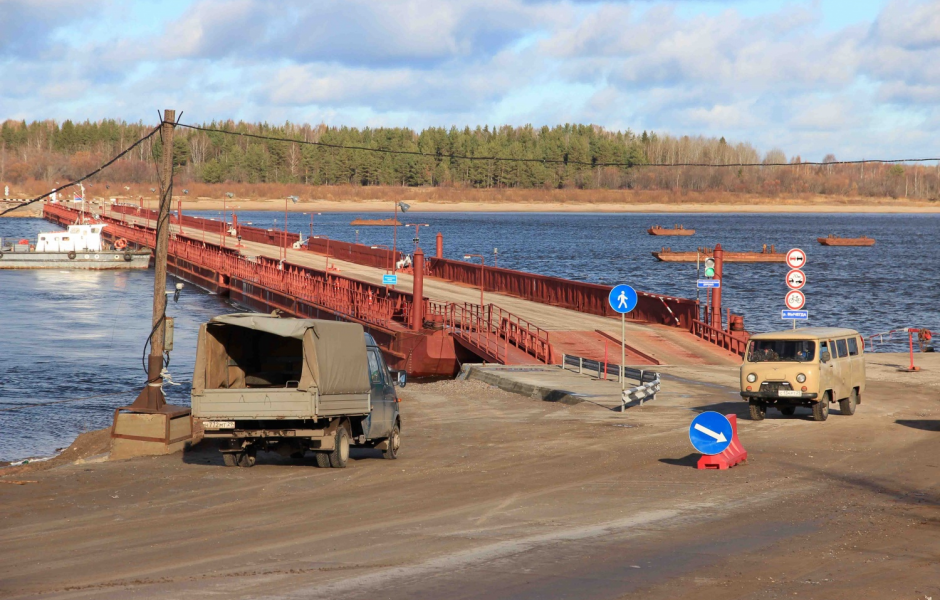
point(846, 241)
point(672, 232)
point(740, 257)
point(96, 261)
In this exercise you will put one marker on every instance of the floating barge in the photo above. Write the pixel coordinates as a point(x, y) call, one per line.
point(677, 230)
point(765, 255)
point(375, 222)
point(834, 240)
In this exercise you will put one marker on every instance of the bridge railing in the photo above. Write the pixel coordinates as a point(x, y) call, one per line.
point(719, 337)
point(493, 330)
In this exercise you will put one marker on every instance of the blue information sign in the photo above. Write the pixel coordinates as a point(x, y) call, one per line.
point(794, 314)
point(710, 433)
point(622, 298)
point(389, 279)
point(709, 283)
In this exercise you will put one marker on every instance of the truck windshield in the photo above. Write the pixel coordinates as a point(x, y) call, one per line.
point(781, 351)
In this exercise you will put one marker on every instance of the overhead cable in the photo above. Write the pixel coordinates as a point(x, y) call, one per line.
point(550, 160)
point(81, 179)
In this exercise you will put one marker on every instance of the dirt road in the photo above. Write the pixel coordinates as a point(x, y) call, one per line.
point(500, 496)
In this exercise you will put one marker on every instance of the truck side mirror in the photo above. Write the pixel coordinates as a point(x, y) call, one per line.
point(402, 378)
point(824, 356)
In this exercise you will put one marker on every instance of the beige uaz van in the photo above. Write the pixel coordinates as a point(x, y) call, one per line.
point(809, 367)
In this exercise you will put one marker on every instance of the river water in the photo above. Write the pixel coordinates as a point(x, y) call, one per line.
point(72, 334)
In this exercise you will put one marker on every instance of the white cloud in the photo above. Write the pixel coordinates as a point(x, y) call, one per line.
point(780, 78)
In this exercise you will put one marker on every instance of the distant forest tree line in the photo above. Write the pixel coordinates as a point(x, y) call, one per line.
point(50, 151)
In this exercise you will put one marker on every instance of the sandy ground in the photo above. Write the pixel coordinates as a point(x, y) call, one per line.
point(360, 206)
point(500, 496)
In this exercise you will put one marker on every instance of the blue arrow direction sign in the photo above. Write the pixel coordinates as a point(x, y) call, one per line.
point(710, 433)
point(709, 283)
point(622, 298)
point(389, 279)
point(794, 314)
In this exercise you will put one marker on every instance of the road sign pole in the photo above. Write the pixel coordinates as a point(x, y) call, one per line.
point(623, 350)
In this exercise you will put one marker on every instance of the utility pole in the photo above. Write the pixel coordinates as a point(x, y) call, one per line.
point(140, 430)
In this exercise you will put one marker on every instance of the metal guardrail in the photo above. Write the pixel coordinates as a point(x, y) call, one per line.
point(493, 330)
point(649, 381)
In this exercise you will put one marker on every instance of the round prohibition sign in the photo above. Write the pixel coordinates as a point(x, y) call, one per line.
point(796, 258)
point(796, 279)
point(795, 300)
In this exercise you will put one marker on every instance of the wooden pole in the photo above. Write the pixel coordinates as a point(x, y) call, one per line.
point(151, 398)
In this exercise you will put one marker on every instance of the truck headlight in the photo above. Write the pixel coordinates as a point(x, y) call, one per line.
point(751, 378)
point(800, 378)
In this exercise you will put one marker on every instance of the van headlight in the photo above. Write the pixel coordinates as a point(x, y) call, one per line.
point(800, 378)
point(751, 378)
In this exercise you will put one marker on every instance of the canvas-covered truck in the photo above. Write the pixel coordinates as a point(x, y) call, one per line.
point(293, 386)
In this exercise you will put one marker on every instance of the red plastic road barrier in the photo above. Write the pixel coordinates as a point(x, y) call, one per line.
point(734, 454)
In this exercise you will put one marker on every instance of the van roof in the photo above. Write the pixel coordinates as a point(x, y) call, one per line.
point(806, 333)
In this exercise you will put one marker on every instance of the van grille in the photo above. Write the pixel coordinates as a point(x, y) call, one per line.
point(775, 386)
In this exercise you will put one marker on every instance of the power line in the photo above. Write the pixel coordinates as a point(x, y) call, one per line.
point(550, 160)
point(81, 179)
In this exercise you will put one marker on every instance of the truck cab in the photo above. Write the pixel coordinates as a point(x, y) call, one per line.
point(292, 386)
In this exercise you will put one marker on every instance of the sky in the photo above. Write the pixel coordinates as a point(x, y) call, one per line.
point(858, 79)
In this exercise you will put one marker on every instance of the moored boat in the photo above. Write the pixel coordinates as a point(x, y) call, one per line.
point(765, 255)
point(79, 247)
point(677, 230)
point(834, 240)
point(375, 222)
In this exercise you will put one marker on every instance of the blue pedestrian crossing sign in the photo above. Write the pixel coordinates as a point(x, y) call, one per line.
point(622, 298)
point(389, 279)
point(710, 433)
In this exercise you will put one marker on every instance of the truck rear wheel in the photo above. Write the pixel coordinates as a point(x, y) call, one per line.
point(247, 458)
point(757, 411)
point(821, 408)
point(230, 459)
point(340, 454)
point(323, 460)
point(394, 443)
point(847, 406)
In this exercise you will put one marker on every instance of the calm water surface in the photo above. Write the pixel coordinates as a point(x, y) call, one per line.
point(70, 334)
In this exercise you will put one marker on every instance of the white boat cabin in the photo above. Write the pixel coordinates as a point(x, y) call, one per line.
point(77, 238)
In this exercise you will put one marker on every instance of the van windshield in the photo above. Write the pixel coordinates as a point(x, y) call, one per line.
point(781, 351)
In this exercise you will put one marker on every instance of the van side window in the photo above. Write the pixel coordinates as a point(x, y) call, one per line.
point(824, 347)
point(832, 349)
point(375, 373)
point(853, 347)
point(843, 349)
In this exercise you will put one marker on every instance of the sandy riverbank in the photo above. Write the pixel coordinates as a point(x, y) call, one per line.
point(375, 206)
point(503, 496)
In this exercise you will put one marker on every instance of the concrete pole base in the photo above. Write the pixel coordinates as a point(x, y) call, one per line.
point(150, 434)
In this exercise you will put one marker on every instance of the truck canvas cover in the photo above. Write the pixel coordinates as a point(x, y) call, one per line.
point(248, 350)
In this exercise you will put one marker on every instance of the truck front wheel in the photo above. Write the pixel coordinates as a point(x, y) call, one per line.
point(757, 411)
point(394, 443)
point(340, 454)
point(821, 408)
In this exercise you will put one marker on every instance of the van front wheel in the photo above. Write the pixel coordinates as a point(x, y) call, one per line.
point(848, 405)
point(821, 408)
point(757, 411)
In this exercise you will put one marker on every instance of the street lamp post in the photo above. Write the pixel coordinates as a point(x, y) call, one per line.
point(323, 237)
point(480, 256)
point(416, 226)
point(224, 224)
point(404, 208)
point(495, 258)
point(293, 199)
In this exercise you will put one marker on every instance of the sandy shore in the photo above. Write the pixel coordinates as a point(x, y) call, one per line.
point(502, 496)
point(363, 206)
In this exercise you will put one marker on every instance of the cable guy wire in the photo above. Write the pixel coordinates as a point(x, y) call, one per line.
point(550, 160)
point(92, 174)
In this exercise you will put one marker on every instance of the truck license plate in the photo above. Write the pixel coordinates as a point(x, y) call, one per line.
point(789, 393)
point(219, 424)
